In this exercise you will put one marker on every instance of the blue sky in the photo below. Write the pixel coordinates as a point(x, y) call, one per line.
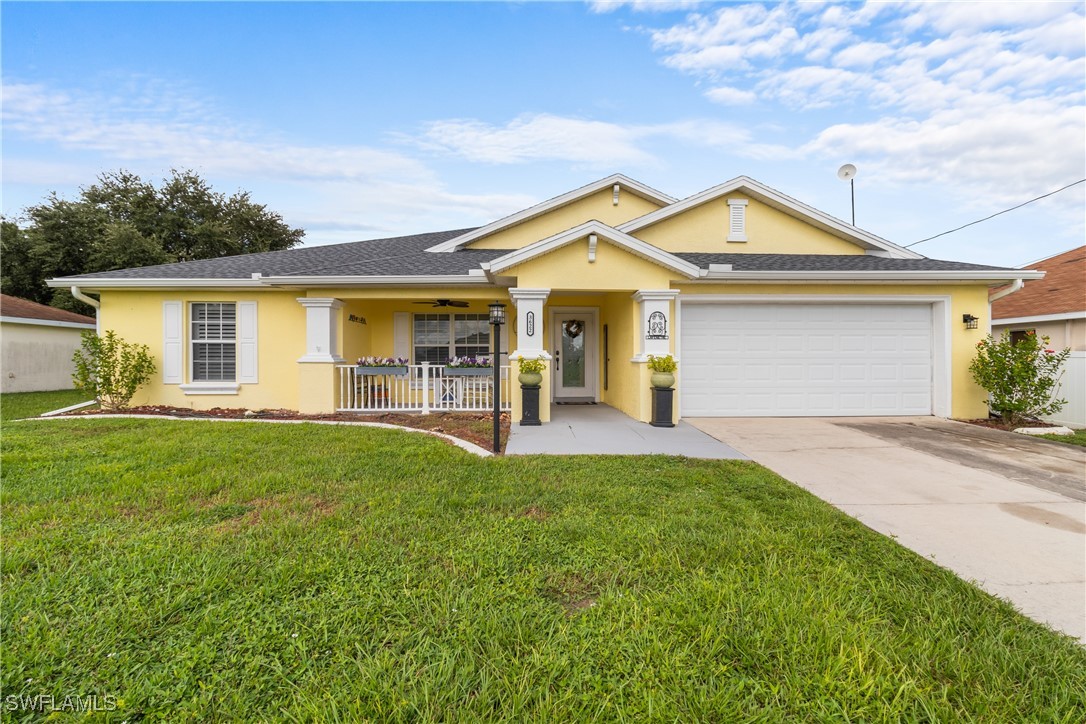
point(362, 120)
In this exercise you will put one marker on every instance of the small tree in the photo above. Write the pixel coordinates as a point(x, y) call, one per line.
point(1021, 376)
point(111, 369)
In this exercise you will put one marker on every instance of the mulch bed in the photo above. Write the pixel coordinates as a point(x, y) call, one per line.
point(997, 424)
point(476, 427)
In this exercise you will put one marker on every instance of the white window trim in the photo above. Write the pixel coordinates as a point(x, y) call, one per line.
point(210, 388)
point(244, 348)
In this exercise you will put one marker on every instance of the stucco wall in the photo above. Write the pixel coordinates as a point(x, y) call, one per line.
point(704, 228)
point(598, 206)
point(36, 358)
point(136, 316)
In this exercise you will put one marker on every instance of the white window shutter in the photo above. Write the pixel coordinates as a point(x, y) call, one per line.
point(401, 334)
point(737, 219)
point(172, 343)
point(247, 342)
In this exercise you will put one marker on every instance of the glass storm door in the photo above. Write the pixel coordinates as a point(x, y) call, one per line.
point(574, 356)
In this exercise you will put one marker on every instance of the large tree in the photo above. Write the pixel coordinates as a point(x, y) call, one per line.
point(123, 221)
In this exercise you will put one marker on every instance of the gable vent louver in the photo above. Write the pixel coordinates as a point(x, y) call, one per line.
point(737, 219)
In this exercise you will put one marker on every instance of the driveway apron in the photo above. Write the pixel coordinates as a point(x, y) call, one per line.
point(1002, 510)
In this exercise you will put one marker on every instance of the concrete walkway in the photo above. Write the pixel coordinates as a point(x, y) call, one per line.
point(999, 509)
point(603, 430)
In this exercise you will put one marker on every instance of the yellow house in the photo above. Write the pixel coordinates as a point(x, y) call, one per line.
point(769, 306)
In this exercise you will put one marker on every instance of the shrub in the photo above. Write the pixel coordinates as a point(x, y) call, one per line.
point(662, 364)
point(111, 369)
point(1020, 376)
point(532, 365)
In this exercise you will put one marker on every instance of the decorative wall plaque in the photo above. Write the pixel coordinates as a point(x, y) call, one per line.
point(657, 328)
point(529, 320)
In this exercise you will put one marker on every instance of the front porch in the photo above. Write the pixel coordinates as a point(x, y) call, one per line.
point(595, 345)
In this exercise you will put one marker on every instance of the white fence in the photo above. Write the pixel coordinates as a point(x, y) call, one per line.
point(1073, 389)
point(423, 388)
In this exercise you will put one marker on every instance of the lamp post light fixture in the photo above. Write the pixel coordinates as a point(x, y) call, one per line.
point(969, 321)
point(497, 319)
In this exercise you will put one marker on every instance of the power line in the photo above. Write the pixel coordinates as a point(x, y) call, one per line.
point(971, 223)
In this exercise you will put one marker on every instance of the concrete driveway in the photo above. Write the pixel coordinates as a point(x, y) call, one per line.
point(1002, 510)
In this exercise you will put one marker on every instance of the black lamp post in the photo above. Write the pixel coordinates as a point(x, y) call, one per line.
point(497, 319)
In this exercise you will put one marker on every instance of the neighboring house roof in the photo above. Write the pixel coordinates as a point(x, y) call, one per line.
point(16, 309)
point(1062, 291)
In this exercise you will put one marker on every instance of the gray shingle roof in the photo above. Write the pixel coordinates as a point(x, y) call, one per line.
point(407, 256)
point(827, 262)
point(401, 255)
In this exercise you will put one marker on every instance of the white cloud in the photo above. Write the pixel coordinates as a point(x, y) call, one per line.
point(731, 96)
point(150, 123)
point(337, 193)
point(649, 6)
point(987, 97)
point(587, 143)
point(862, 55)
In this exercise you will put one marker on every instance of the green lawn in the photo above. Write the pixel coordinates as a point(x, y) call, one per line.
point(202, 570)
point(18, 405)
point(1079, 438)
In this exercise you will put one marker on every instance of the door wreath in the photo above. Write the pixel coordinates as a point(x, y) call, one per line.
point(573, 328)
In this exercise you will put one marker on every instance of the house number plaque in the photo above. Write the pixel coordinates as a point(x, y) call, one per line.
point(529, 323)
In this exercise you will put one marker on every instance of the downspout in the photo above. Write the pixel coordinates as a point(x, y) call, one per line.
point(1014, 287)
point(94, 303)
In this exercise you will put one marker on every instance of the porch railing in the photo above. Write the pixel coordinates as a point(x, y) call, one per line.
point(425, 388)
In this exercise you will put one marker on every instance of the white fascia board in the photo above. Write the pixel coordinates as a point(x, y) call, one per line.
point(607, 233)
point(1038, 318)
point(995, 277)
point(113, 283)
point(46, 323)
point(361, 281)
point(777, 200)
point(539, 209)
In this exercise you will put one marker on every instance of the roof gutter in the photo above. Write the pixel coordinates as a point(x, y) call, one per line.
point(872, 275)
point(92, 302)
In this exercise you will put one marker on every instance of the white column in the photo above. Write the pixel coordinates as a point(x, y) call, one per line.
point(656, 322)
point(531, 343)
point(321, 329)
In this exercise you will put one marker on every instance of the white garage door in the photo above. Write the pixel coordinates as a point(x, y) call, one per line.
point(758, 360)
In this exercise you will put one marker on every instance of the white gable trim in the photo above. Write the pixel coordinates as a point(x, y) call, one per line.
point(603, 231)
point(611, 182)
point(777, 200)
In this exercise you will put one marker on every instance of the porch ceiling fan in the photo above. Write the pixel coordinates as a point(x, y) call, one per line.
point(445, 303)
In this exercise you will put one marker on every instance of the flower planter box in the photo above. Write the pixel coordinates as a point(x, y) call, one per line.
point(469, 371)
point(394, 371)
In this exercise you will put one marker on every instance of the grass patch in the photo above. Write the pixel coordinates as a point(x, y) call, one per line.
point(305, 571)
point(19, 405)
point(1079, 438)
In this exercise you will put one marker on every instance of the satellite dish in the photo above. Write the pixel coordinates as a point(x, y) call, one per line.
point(846, 172)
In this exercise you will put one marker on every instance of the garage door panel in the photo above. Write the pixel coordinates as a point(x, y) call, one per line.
point(786, 359)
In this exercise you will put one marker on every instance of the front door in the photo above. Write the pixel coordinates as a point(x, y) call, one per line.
point(575, 366)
